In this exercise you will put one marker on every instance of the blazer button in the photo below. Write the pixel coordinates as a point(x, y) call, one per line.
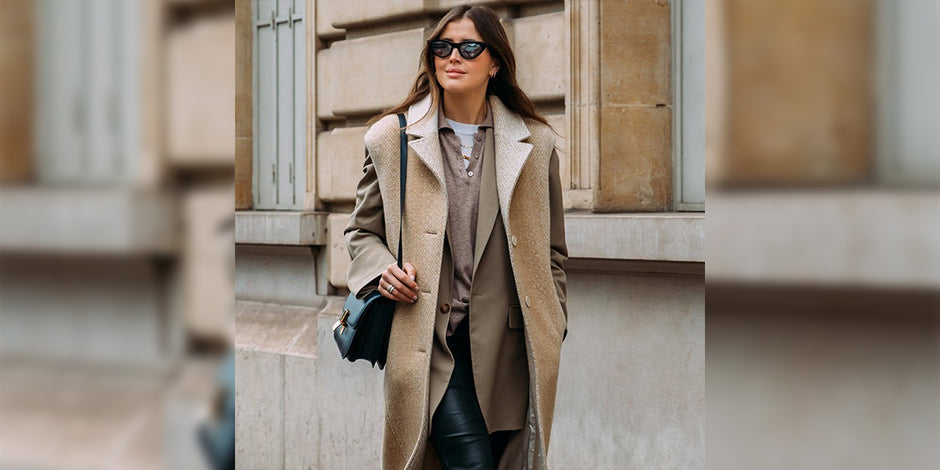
point(527, 302)
point(445, 308)
point(512, 240)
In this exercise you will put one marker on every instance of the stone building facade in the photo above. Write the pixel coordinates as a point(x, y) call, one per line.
point(622, 83)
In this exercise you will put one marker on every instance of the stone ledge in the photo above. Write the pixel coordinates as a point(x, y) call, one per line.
point(674, 236)
point(875, 238)
point(281, 228)
point(276, 328)
point(108, 221)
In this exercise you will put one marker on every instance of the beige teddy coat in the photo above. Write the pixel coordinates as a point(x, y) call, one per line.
point(527, 212)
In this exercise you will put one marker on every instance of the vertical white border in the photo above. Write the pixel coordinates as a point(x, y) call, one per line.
point(678, 194)
point(255, 140)
point(890, 167)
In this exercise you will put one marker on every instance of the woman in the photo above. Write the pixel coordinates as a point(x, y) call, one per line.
point(475, 342)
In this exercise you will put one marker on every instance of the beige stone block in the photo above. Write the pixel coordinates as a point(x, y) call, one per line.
point(445, 5)
point(800, 112)
point(326, 16)
point(208, 262)
point(200, 122)
point(338, 256)
point(355, 12)
point(365, 75)
point(347, 13)
point(244, 147)
point(340, 154)
point(635, 52)
point(328, 78)
point(541, 55)
point(243, 72)
point(16, 74)
point(635, 159)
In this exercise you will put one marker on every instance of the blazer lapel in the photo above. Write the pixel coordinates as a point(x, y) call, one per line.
point(511, 155)
point(489, 204)
point(427, 145)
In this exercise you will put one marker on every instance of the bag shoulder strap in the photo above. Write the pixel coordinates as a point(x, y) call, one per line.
point(403, 171)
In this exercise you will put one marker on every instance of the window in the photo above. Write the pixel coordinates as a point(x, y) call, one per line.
point(279, 94)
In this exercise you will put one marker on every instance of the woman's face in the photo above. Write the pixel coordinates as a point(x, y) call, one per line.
point(456, 74)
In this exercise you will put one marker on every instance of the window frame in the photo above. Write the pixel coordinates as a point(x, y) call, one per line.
point(892, 169)
point(678, 129)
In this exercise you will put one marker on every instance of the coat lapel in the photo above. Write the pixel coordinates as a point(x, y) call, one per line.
point(427, 145)
point(489, 204)
point(509, 130)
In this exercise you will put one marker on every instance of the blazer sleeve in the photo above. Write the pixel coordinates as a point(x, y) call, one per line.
point(365, 235)
point(558, 244)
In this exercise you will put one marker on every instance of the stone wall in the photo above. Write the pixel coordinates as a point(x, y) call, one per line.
point(599, 71)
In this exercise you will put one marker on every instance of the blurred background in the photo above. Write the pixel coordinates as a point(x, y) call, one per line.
point(823, 254)
point(116, 233)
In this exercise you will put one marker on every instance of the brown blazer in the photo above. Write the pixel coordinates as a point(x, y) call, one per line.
point(511, 303)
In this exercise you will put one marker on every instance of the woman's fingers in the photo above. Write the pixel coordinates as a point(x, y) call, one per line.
point(411, 272)
point(401, 291)
point(396, 294)
point(404, 277)
point(390, 290)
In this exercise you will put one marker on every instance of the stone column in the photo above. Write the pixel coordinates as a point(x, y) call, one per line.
point(583, 105)
point(16, 94)
point(635, 159)
point(243, 104)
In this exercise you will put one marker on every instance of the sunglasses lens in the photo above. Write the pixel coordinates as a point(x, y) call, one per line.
point(471, 49)
point(441, 49)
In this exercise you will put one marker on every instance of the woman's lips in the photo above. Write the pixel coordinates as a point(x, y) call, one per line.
point(453, 73)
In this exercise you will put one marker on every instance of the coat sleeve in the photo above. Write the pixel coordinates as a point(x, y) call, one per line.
point(558, 244)
point(365, 235)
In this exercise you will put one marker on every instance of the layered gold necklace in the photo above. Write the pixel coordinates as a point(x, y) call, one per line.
point(464, 150)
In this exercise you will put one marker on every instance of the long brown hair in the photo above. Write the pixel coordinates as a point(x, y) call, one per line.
point(503, 85)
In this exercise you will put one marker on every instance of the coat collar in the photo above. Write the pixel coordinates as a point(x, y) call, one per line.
point(509, 131)
point(423, 125)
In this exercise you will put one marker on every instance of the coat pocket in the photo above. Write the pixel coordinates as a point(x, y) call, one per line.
point(515, 317)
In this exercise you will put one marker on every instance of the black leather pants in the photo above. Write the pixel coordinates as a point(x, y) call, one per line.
point(458, 432)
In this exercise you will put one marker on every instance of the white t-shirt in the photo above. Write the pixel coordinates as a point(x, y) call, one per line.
point(465, 133)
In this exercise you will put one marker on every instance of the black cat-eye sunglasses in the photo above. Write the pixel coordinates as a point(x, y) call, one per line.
point(467, 49)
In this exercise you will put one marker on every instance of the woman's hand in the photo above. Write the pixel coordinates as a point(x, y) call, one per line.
point(398, 284)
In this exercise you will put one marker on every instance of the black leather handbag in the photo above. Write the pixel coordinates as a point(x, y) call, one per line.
point(363, 329)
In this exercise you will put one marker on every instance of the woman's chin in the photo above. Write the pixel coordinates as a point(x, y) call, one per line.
point(457, 89)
